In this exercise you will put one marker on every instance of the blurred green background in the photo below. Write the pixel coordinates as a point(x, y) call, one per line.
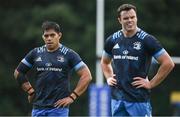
point(20, 30)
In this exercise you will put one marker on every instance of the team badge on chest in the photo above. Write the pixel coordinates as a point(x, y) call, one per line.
point(137, 45)
point(60, 58)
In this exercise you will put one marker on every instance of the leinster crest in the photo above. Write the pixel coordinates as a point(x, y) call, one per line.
point(137, 45)
point(60, 58)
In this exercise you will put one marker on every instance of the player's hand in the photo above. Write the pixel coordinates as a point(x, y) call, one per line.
point(31, 97)
point(63, 102)
point(111, 81)
point(141, 83)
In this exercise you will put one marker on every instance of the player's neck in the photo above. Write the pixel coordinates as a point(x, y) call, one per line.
point(129, 34)
point(53, 49)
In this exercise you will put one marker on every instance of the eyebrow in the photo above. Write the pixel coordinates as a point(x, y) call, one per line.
point(51, 34)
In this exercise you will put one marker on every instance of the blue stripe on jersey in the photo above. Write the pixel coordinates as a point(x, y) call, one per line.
point(64, 50)
point(116, 34)
point(26, 63)
point(105, 54)
point(159, 53)
point(79, 65)
point(141, 34)
point(41, 49)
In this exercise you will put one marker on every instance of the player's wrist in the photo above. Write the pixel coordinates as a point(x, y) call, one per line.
point(150, 85)
point(73, 95)
point(30, 91)
point(72, 98)
point(77, 95)
point(108, 79)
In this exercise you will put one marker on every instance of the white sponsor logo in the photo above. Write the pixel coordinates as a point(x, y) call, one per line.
point(39, 59)
point(116, 46)
point(48, 64)
point(49, 69)
point(125, 57)
point(125, 52)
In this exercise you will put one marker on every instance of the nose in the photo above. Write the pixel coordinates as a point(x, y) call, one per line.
point(129, 19)
point(48, 38)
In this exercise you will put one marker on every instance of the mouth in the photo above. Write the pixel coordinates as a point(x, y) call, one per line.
point(130, 24)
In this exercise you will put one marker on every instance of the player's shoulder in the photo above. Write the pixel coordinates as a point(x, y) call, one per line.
point(66, 50)
point(69, 53)
point(143, 35)
point(39, 49)
point(115, 36)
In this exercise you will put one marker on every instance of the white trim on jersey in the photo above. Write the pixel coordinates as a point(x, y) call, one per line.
point(26, 63)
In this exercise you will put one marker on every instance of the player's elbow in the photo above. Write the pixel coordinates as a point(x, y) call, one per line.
point(88, 77)
point(170, 65)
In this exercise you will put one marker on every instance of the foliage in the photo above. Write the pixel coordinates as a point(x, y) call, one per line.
point(21, 31)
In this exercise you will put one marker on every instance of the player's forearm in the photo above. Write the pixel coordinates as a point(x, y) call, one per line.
point(85, 78)
point(27, 87)
point(82, 84)
point(162, 73)
point(23, 82)
point(107, 70)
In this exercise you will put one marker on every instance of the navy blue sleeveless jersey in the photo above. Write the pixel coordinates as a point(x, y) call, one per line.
point(52, 73)
point(131, 58)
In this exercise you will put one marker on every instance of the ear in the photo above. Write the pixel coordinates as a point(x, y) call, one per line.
point(60, 34)
point(119, 19)
point(43, 37)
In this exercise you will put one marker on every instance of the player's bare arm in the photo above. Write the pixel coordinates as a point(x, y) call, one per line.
point(24, 84)
point(108, 71)
point(166, 66)
point(85, 78)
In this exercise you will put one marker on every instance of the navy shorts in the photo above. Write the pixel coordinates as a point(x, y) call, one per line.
point(58, 112)
point(124, 108)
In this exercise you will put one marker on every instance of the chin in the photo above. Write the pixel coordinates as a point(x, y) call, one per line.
point(49, 47)
point(130, 29)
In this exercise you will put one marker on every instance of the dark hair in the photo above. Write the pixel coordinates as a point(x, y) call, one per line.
point(125, 7)
point(50, 25)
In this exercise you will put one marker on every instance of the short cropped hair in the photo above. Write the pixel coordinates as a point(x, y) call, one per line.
point(50, 25)
point(125, 7)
